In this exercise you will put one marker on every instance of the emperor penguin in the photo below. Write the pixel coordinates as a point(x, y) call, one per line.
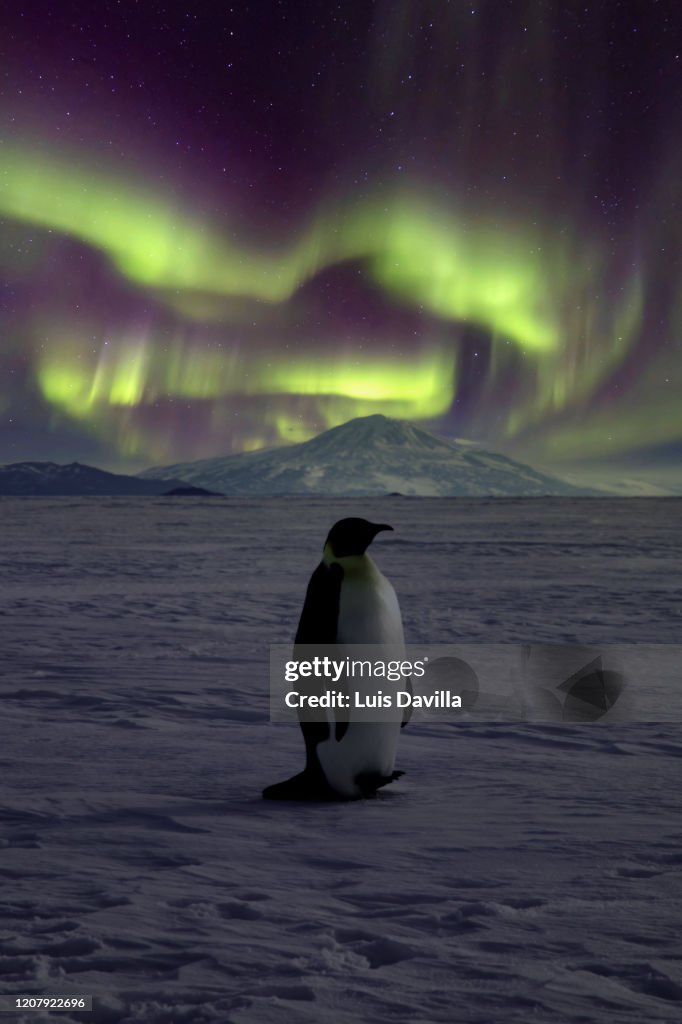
point(348, 602)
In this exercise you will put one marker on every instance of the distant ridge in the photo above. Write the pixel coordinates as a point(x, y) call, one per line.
point(76, 480)
point(191, 492)
point(372, 455)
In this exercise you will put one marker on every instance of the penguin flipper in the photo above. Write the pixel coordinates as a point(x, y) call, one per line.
point(320, 616)
point(306, 785)
point(318, 625)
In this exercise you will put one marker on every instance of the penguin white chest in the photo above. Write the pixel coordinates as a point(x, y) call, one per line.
point(368, 607)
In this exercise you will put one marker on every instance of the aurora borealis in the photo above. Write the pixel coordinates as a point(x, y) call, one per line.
point(229, 228)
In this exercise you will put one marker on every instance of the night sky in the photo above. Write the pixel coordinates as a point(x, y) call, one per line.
point(224, 227)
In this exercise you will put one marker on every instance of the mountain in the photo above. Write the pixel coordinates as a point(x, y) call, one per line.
point(626, 487)
point(369, 456)
point(617, 481)
point(49, 478)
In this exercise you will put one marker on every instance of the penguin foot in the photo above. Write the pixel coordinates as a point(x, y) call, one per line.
point(304, 786)
point(370, 782)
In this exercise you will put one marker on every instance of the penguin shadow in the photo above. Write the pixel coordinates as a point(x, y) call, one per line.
point(311, 786)
point(379, 796)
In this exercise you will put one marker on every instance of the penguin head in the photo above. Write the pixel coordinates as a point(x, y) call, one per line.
point(353, 536)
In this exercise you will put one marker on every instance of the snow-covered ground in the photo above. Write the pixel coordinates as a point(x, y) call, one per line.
point(517, 872)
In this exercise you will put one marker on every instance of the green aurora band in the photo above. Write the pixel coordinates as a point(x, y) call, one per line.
point(458, 272)
point(135, 371)
point(534, 294)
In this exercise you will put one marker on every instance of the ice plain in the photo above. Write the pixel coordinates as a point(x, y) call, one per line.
point(519, 872)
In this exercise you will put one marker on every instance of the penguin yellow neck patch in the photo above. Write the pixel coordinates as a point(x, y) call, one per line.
point(352, 565)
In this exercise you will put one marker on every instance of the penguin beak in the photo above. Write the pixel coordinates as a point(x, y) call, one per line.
point(378, 527)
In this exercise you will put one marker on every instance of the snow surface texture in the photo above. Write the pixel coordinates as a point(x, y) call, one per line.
point(517, 872)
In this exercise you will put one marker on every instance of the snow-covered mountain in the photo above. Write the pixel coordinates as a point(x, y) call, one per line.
point(370, 456)
point(50, 478)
